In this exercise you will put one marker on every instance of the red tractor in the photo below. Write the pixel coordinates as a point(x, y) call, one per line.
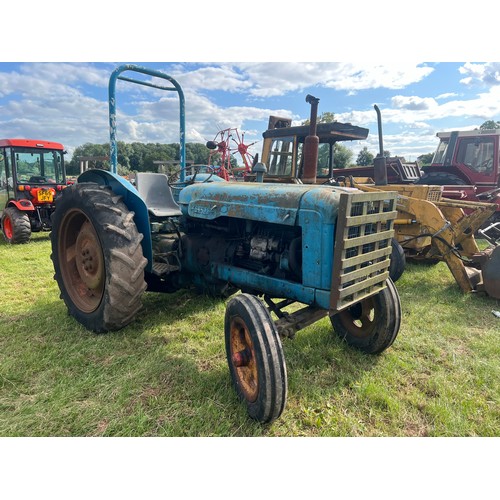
point(467, 164)
point(32, 175)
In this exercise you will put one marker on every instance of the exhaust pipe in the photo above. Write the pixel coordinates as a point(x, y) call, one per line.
point(379, 163)
point(311, 144)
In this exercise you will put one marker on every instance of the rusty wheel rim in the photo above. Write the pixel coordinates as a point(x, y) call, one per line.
point(243, 359)
point(360, 319)
point(82, 261)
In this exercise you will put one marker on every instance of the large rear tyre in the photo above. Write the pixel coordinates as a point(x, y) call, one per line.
point(440, 179)
point(97, 256)
point(372, 324)
point(255, 357)
point(16, 226)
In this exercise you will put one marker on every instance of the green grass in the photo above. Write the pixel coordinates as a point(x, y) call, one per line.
point(166, 374)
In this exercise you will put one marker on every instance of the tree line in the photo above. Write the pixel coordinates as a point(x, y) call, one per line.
point(138, 156)
point(145, 157)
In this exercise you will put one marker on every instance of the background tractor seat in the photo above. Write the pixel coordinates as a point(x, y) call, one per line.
point(157, 195)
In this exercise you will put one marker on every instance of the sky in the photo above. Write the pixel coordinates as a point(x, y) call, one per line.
point(67, 102)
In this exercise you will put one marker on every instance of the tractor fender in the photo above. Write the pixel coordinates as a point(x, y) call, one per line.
point(132, 200)
point(23, 205)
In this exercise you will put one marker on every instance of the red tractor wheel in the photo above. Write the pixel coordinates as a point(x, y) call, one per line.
point(16, 226)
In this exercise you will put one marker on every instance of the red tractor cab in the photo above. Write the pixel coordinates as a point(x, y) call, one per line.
point(467, 164)
point(32, 175)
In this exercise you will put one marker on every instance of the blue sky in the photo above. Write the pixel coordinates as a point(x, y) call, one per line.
point(67, 102)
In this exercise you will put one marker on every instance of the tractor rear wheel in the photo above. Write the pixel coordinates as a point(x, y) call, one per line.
point(97, 256)
point(255, 357)
point(16, 226)
point(372, 324)
point(440, 179)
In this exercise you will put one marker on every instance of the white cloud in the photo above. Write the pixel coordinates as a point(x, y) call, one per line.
point(273, 79)
point(410, 110)
point(413, 102)
point(224, 78)
point(487, 74)
point(446, 95)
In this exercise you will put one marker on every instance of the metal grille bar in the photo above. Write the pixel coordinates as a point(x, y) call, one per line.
point(365, 226)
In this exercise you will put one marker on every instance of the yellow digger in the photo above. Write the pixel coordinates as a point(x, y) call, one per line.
point(428, 227)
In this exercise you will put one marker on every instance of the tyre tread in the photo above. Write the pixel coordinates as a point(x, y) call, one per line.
point(121, 247)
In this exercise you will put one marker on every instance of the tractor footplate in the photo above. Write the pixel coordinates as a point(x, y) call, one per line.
point(162, 268)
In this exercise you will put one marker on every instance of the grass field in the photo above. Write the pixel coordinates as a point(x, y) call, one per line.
point(166, 374)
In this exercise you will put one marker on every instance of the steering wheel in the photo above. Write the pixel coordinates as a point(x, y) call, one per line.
point(173, 178)
point(486, 165)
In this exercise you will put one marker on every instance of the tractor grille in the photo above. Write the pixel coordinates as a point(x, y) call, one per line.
point(365, 227)
point(410, 172)
point(434, 194)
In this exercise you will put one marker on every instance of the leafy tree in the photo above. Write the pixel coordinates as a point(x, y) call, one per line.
point(197, 153)
point(325, 117)
point(88, 149)
point(425, 159)
point(123, 157)
point(490, 125)
point(156, 152)
point(342, 156)
point(364, 158)
point(137, 156)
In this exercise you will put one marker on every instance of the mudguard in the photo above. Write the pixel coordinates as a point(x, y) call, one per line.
point(132, 200)
point(23, 205)
point(135, 203)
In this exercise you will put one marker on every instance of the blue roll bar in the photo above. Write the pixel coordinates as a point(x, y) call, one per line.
point(116, 75)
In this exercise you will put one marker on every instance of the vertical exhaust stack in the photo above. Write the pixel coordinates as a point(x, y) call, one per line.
point(311, 144)
point(379, 163)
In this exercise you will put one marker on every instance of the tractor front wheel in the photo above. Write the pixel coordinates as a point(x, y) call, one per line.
point(16, 226)
point(255, 357)
point(372, 324)
point(97, 256)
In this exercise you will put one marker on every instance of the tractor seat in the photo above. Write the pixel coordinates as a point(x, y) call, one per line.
point(156, 193)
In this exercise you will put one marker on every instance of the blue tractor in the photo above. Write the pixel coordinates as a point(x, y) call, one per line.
point(267, 246)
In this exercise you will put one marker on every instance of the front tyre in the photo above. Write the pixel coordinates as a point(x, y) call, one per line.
point(372, 324)
point(255, 357)
point(97, 257)
point(16, 226)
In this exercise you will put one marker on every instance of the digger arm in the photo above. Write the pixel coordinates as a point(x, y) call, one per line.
point(466, 225)
point(442, 232)
point(444, 242)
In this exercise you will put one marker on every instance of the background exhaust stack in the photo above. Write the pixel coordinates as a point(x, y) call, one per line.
point(379, 163)
point(311, 144)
